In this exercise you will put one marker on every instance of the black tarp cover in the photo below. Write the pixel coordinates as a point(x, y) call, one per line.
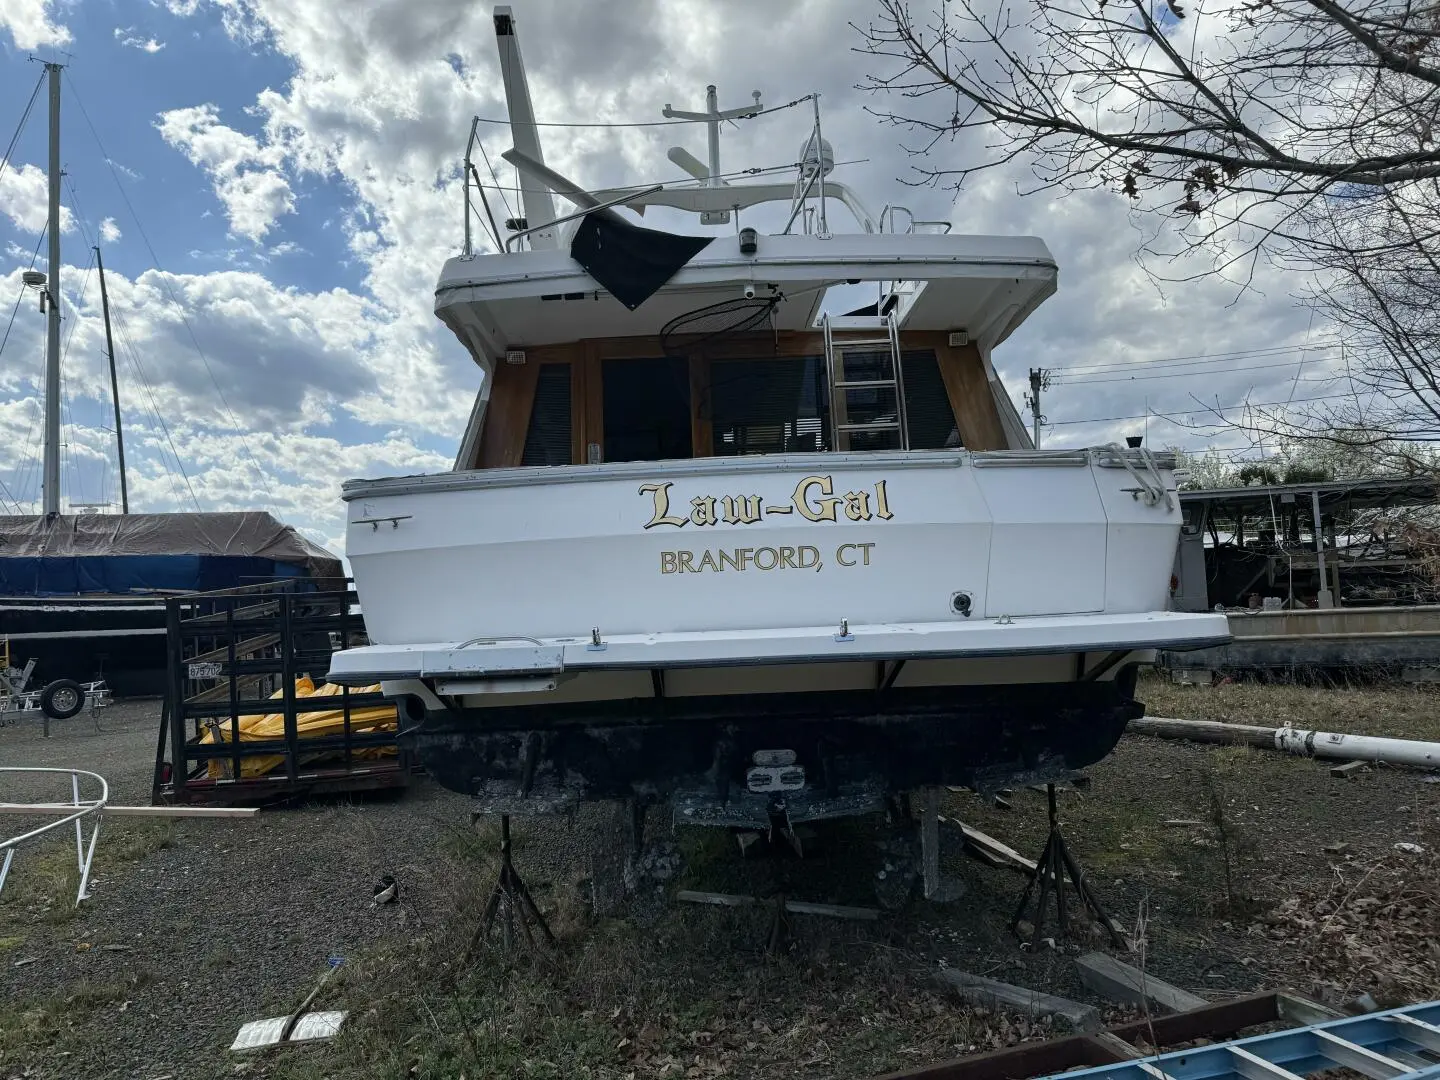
point(631, 262)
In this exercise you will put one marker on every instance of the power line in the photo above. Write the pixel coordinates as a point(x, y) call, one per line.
point(1164, 416)
point(1178, 374)
point(1107, 367)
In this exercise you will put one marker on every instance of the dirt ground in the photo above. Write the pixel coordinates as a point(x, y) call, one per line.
point(1236, 869)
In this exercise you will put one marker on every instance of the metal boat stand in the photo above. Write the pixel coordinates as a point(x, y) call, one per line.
point(1054, 864)
point(510, 894)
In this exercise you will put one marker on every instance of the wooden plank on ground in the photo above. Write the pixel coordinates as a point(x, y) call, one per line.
point(53, 809)
point(1349, 769)
point(992, 849)
point(797, 907)
point(1118, 981)
point(994, 994)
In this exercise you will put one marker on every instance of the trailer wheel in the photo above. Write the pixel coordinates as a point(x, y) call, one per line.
point(62, 699)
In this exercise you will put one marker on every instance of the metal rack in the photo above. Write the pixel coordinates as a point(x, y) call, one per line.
point(227, 652)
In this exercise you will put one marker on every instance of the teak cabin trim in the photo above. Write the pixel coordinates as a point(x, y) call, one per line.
point(506, 421)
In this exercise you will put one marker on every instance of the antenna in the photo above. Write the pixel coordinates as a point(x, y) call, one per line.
point(712, 116)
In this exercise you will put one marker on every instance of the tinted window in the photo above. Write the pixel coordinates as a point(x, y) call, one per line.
point(769, 406)
point(647, 409)
point(547, 442)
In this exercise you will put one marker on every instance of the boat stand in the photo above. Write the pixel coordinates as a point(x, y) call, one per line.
point(1050, 871)
point(510, 894)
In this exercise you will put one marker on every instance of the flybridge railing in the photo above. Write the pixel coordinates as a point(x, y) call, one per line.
point(235, 657)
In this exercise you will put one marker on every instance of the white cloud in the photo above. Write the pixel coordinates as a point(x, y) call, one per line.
point(29, 24)
point(110, 232)
point(245, 173)
point(340, 383)
point(127, 37)
point(25, 199)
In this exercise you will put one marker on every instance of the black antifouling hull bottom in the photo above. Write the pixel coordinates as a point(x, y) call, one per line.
point(847, 741)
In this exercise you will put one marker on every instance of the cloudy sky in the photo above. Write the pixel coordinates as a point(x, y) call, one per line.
point(274, 189)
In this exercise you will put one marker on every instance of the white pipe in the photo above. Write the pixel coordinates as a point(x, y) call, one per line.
point(1329, 744)
point(1300, 741)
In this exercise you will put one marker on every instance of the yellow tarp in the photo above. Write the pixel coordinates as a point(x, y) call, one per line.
point(308, 725)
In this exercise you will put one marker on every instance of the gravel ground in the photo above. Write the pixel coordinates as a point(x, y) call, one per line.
point(218, 922)
point(223, 922)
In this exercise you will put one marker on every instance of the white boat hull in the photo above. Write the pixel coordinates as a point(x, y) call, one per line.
point(985, 610)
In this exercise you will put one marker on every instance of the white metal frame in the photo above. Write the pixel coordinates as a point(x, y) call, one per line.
point(70, 812)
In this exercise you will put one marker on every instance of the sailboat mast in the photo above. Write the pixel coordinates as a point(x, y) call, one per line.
point(51, 478)
point(114, 386)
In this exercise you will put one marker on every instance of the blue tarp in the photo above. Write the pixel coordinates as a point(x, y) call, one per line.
point(78, 575)
point(139, 554)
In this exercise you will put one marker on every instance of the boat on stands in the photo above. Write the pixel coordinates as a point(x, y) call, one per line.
point(718, 535)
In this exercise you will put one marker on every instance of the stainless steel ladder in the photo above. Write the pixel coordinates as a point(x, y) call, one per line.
point(1400, 1044)
point(867, 334)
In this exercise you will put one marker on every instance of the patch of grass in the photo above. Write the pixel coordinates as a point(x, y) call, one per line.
point(134, 841)
point(689, 994)
point(45, 875)
point(1397, 710)
point(33, 1032)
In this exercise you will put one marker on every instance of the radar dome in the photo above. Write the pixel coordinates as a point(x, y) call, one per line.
point(809, 158)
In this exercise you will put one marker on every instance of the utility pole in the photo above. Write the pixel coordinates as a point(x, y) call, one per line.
point(1039, 380)
point(114, 386)
point(50, 477)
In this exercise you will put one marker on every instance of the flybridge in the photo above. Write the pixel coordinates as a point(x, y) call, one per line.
point(712, 196)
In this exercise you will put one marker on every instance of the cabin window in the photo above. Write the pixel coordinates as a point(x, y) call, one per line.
point(774, 405)
point(547, 442)
point(779, 405)
point(927, 403)
point(647, 409)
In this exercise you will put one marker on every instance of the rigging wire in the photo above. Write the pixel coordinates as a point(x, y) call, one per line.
point(170, 292)
point(134, 357)
point(155, 414)
point(67, 455)
point(650, 123)
point(510, 213)
point(19, 299)
point(20, 127)
point(691, 181)
point(31, 449)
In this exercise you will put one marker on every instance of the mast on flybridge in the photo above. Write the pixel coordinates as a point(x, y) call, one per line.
point(534, 195)
point(712, 116)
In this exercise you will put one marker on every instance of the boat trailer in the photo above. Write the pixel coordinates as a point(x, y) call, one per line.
point(57, 700)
